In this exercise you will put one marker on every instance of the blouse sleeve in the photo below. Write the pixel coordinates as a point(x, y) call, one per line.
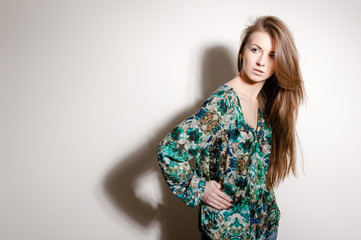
point(184, 143)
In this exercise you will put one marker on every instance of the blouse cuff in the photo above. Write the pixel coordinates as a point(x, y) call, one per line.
point(197, 188)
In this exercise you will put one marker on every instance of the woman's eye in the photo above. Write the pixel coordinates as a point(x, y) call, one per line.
point(272, 56)
point(254, 50)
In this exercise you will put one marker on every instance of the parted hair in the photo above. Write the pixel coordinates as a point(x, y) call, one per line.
point(280, 97)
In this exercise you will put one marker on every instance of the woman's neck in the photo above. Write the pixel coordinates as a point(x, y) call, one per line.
point(246, 87)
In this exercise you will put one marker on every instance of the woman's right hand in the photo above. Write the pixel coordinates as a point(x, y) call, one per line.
point(214, 197)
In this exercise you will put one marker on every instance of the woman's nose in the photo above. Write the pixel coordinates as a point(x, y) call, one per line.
point(261, 61)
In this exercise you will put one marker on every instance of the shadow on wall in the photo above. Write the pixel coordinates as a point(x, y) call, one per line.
point(177, 221)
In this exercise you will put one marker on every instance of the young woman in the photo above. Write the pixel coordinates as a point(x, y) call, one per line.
point(242, 138)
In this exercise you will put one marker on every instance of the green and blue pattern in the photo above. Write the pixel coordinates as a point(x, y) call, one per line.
point(226, 149)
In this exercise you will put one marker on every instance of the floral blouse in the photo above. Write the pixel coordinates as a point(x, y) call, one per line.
point(226, 149)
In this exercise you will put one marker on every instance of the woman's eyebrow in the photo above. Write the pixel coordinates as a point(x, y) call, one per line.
point(261, 48)
point(256, 45)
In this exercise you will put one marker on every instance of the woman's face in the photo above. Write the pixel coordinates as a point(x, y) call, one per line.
point(258, 57)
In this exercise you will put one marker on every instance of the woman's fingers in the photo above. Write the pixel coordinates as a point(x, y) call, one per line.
point(215, 201)
point(214, 197)
point(225, 197)
point(222, 198)
point(216, 184)
point(217, 205)
point(220, 193)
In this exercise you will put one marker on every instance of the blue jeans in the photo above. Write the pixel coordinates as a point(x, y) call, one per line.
point(273, 236)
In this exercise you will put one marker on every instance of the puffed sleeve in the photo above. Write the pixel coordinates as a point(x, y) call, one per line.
point(184, 143)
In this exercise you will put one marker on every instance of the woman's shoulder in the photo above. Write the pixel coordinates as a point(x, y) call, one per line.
point(221, 99)
point(227, 90)
point(221, 92)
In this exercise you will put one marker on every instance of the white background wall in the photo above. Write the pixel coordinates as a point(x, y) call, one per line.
point(89, 88)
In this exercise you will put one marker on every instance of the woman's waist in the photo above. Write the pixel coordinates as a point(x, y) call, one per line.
point(239, 220)
point(239, 186)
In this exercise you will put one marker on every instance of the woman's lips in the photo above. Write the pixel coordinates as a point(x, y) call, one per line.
point(257, 71)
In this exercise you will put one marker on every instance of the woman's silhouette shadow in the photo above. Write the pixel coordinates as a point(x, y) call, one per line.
point(177, 221)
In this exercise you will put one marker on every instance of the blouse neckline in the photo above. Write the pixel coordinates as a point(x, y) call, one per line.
point(259, 113)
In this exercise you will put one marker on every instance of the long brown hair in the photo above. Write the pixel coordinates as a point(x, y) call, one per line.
point(280, 96)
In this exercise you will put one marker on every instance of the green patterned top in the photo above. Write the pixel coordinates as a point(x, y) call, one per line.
point(226, 149)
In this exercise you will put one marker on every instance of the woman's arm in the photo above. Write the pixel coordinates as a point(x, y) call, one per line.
point(185, 142)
